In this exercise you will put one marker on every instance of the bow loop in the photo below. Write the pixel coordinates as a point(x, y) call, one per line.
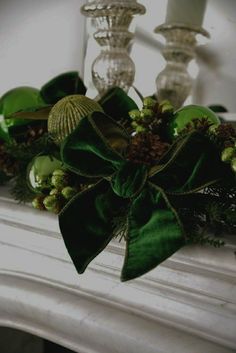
point(96, 147)
point(129, 179)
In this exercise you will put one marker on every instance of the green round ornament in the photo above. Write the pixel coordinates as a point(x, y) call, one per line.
point(67, 113)
point(18, 99)
point(40, 170)
point(185, 115)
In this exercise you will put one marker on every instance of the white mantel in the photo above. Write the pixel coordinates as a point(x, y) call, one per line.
point(186, 305)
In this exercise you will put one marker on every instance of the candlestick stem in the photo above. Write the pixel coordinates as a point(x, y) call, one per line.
point(113, 66)
point(174, 82)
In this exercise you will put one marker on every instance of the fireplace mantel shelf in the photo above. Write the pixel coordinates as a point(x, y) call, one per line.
point(187, 305)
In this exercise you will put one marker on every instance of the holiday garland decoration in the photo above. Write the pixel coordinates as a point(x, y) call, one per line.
point(157, 178)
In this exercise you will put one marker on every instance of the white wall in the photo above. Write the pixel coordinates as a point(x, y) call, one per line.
point(39, 39)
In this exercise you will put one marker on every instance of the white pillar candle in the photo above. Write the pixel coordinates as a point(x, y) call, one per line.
point(186, 11)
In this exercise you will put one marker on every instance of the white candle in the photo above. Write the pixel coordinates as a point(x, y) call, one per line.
point(186, 11)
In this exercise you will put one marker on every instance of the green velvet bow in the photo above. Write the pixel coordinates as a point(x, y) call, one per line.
point(97, 148)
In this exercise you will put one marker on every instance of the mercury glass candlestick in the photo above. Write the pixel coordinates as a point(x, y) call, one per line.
point(174, 82)
point(112, 18)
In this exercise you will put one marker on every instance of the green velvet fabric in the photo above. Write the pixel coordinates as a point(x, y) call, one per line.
point(89, 150)
point(61, 86)
point(129, 179)
point(117, 104)
point(98, 148)
point(155, 232)
point(86, 223)
point(191, 163)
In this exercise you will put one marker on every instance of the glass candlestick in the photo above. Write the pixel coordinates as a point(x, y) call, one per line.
point(112, 18)
point(174, 82)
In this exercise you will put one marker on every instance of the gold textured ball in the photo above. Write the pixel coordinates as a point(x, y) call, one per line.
point(67, 113)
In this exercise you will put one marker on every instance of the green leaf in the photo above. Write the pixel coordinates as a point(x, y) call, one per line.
point(155, 233)
point(117, 104)
point(61, 86)
point(86, 223)
point(94, 148)
point(33, 113)
point(191, 163)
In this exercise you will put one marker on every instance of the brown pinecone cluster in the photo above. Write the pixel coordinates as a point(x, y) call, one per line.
point(225, 135)
point(146, 148)
point(8, 164)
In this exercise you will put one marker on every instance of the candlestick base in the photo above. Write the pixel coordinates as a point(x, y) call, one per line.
point(174, 82)
point(113, 67)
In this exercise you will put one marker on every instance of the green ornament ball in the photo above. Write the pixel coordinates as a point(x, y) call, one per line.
point(40, 170)
point(20, 98)
point(67, 113)
point(185, 115)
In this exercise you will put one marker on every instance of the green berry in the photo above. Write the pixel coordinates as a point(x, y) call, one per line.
point(166, 106)
point(51, 203)
point(68, 192)
point(38, 202)
point(59, 181)
point(55, 192)
point(227, 154)
point(60, 172)
point(146, 113)
point(233, 164)
point(149, 102)
point(140, 129)
point(134, 114)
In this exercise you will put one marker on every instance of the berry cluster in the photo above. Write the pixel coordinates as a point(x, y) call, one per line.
point(151, 116)
point(58, 194)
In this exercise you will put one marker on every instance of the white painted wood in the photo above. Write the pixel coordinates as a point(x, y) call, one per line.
point(186, 305)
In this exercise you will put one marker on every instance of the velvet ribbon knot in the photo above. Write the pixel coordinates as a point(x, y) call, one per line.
point(144, 197)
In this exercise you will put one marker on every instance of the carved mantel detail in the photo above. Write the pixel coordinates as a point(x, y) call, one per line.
point(186, 305)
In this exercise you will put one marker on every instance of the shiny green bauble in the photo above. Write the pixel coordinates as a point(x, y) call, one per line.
point(18, 99)
point(40, 171)
point(67, 113)
point(186, 115)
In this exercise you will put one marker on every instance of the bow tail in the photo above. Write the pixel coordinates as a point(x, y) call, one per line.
point(86, 223)
point(155, 232)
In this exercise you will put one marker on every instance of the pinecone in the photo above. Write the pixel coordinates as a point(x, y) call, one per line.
point(8, 164)
point(225, 135)
point(146, 148)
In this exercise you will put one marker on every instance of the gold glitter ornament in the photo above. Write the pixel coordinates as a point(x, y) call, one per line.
point(67, 113)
